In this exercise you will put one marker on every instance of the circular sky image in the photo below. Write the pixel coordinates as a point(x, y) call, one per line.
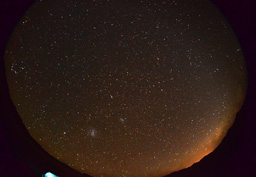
point(126, 88)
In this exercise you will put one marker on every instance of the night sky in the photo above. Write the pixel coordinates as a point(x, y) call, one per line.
point(125, 88)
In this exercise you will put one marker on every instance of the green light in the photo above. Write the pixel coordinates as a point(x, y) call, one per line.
point(49, 174)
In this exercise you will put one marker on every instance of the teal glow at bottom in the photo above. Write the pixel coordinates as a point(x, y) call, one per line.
point(49, 174)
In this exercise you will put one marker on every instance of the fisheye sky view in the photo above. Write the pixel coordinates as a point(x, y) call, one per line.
point(126, 88)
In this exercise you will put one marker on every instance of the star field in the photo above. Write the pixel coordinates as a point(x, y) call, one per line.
point(126, 88)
